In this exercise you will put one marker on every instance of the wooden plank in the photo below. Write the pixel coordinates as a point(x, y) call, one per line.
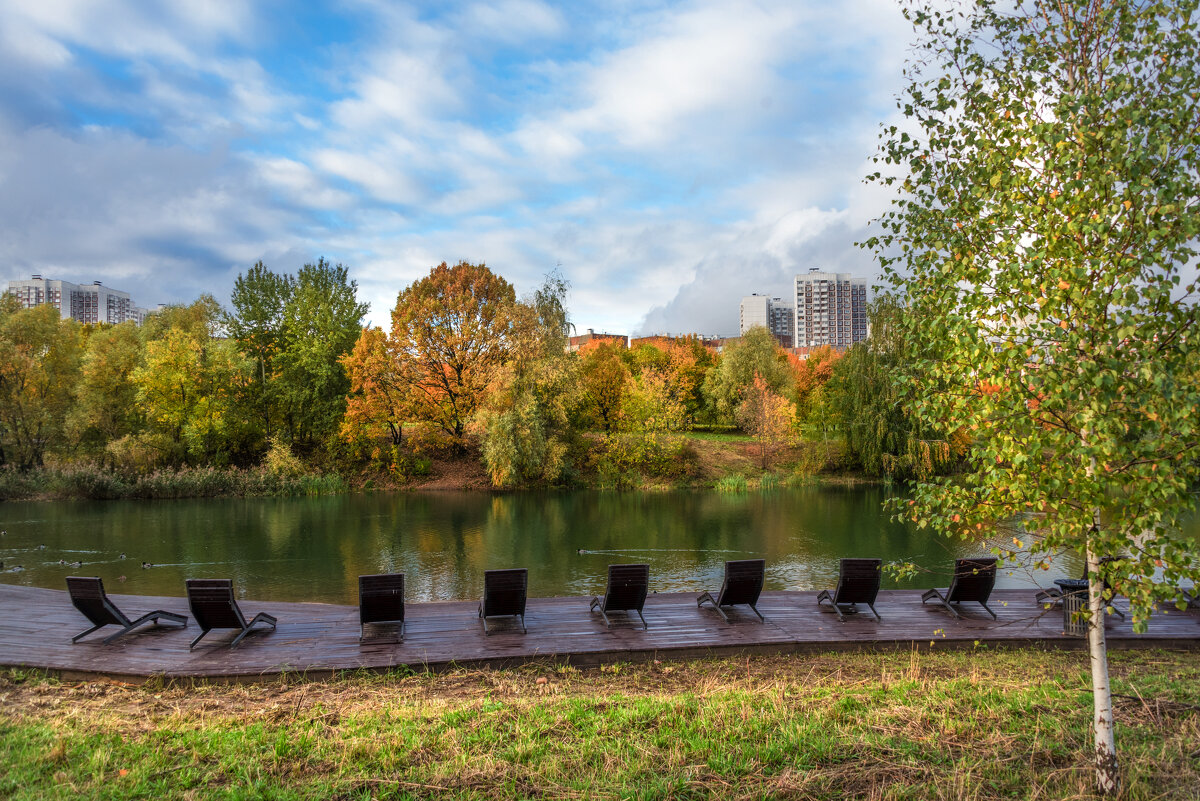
point(36, 626)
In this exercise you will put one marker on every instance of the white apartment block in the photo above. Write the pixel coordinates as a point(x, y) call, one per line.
point(773, 314)
point(831, 309)
point(87, 303)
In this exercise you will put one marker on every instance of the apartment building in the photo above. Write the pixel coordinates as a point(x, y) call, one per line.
point(774, 314)
point(831, 309)
point(87, 303)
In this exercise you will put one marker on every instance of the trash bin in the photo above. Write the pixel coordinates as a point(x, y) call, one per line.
point(1074, 601)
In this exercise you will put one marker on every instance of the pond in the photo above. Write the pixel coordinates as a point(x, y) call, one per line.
point(313, 549)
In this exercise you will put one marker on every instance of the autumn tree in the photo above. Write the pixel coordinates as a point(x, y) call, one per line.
point(378, 400)
point(39, 371)
point(767, 416)
point(812, 375)
point(1045, 236)
point(604, 383)
point(756, 353)
point(451, 331)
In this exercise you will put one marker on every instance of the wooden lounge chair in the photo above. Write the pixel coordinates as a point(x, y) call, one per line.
point(972, 582)
point(88, 596)
point(627, 588)
point(858, 583)
point(504, 595)
point(381, 601)
point(214, 607)
point(742, 585)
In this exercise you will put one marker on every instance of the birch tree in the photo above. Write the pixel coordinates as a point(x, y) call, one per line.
point(1045, 233)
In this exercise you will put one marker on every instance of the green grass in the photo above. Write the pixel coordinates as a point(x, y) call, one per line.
point(984, 725)
point(718, 436)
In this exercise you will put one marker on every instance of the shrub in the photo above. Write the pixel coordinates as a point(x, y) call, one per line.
point(280, 460)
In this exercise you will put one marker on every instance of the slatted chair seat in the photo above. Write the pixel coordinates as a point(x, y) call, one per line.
point(626, 592)
point(381, 601)
point(742, 585)
point(858, 583)
point(214, 607)
point(504, 595)
point(972, 582)
point(88, 596)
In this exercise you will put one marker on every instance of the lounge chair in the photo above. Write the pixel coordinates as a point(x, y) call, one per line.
point(214, 607)
point(627, 588)
point(504, 595)
point(88, 596)
point(972, 582)
point(381, 601)
point(742, 585)
point(858, 583)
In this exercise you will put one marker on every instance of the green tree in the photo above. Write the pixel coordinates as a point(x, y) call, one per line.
point(527, 435)
point(259, 300)
point(106, 407)
point(322, 319)
point(39, 370)
point(756, 353)
point(1049, 207)
point(451, 331)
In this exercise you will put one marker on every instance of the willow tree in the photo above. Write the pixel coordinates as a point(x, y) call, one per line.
point(1046, 219)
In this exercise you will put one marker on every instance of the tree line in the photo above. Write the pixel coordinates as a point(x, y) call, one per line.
point(465, 368)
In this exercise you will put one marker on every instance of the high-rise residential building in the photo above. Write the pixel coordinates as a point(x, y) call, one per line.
point(87, 303)
point(774, 314)
point(831, 309)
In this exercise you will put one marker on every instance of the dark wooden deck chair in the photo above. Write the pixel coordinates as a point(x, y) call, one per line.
point(214, 607)
point(858, 583)
point(381, 601)
point(972, 582)
point(626, 592)
point(88, 596)
point(742, 585)
point(504, 595)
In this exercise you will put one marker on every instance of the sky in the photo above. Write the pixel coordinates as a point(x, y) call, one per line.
point(666, 157)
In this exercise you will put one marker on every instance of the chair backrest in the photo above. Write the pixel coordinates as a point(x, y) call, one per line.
point(213, 604)
point(743, 582)
point(627, 587)
point(504, 591)
point(973, 580)
point(381, 598)
point(88, 596)
point(859, 580)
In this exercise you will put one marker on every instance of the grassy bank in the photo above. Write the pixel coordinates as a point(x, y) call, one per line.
point(85, 481)
point(1006, 724)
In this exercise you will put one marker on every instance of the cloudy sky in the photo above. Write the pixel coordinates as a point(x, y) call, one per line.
point(671, 157)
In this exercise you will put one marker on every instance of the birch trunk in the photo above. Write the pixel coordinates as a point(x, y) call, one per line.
point(1108, 773)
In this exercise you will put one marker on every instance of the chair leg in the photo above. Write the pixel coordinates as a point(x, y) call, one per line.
point(838, 610)
point(873, 612)
point(523, 629)
point(198, 639)
point(761, 619)
point(125, 630)
point(83, 634)
point(483, 619)
point(644, 626)
point(361, 631)
point(607, 622)
point(989, 611)
point(238, 638)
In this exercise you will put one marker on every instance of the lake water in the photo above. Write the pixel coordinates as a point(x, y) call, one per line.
point(313, 549)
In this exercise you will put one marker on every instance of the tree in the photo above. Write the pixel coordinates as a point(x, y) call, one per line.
point(526, 429)
point(767, 416)
point(812, 374)
point(604, 381)
point(379, 396)
point(451, 331)
point(260, 299)
point(757, 353)
point(1049, 172)
point(39, 370)
point(106, 407)
point(322, 319)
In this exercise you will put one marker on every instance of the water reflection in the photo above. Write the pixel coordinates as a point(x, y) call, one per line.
point(315, 548)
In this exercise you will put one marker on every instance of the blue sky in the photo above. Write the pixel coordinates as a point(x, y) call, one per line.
point(672, 157)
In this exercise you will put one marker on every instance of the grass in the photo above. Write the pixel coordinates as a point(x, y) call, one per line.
point(985, 725)
point(92, 482)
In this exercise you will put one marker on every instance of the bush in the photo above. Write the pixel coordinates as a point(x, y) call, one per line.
point(280, 460)
point(622, 459)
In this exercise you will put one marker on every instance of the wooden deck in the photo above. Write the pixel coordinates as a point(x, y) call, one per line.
point(36, 626)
